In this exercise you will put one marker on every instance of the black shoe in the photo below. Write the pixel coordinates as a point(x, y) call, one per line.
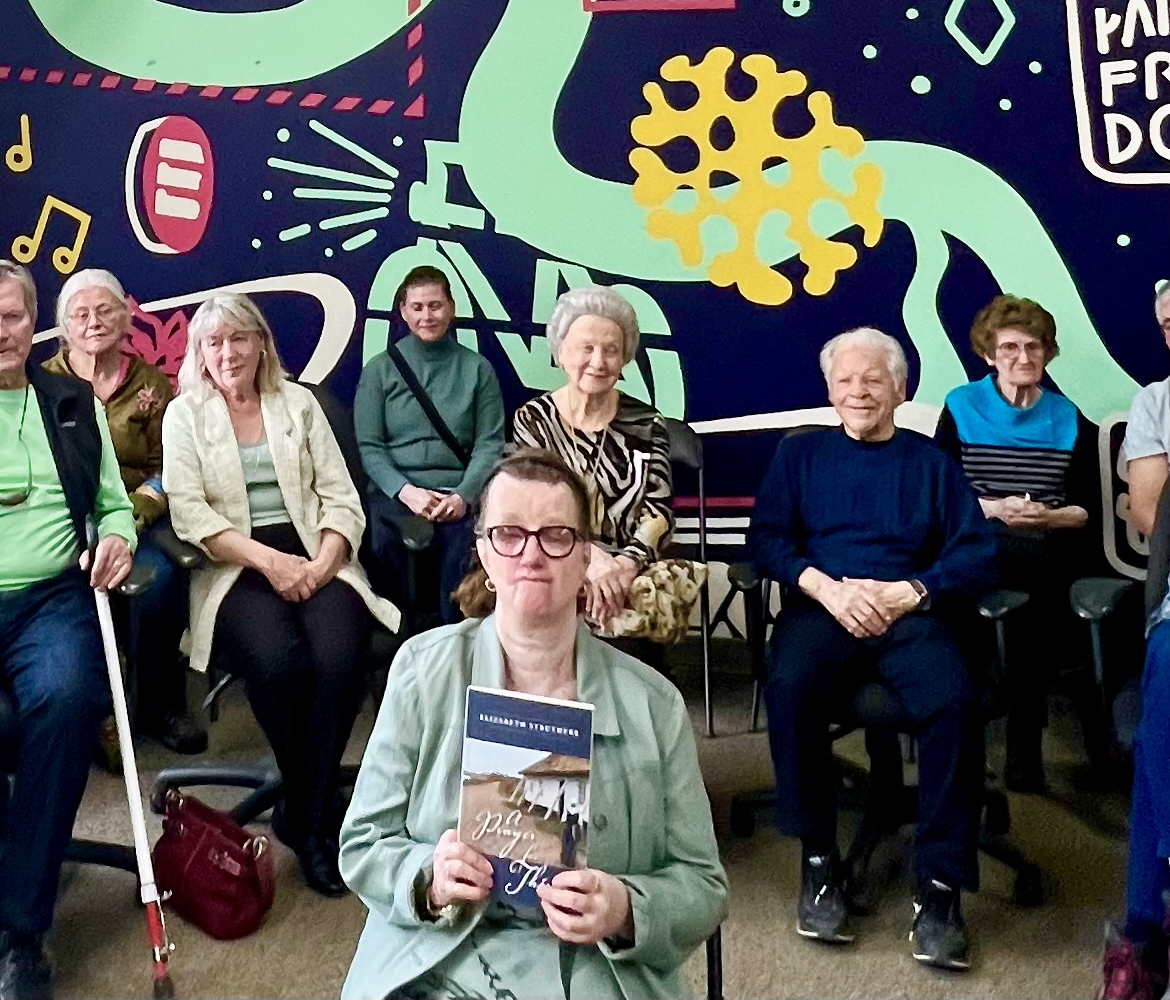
point(179, 733)
point(25, 973)
point(939, 936)
point(823, 913)
point(283, 828)
point(318, 860)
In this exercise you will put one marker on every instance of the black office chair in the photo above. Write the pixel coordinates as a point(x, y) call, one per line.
point(686, 452)
point(885, 802)
point(264, 780)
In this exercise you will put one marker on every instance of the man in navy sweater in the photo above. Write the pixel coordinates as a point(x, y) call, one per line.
point(875, 532)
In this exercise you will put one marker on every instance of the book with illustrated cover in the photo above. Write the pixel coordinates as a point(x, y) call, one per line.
point(525, 792)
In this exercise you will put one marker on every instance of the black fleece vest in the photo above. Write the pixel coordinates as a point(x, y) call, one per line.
point(67, 409)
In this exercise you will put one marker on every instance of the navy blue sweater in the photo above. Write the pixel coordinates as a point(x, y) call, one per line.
point(888, 510)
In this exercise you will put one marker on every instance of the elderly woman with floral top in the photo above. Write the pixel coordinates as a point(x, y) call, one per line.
point(93, 315)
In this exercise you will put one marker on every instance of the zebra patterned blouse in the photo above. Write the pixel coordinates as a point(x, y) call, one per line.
point(625, 467)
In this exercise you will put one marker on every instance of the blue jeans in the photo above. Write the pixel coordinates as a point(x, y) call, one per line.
point(52, 665)
point(1149, 821)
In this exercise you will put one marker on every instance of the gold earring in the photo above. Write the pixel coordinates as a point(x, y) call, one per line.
point(488, 585)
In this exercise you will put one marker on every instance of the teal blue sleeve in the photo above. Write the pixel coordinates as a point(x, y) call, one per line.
point(369, 424)
point(113, 510)
point(489, 433)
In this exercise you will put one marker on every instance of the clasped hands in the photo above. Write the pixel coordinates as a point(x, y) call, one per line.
point(433, 505)
point(582, 906)
point(867, 608)
point(1017, 512)
point(607, 584)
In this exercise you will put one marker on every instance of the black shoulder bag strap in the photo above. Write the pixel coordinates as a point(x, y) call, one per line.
point(437, 422)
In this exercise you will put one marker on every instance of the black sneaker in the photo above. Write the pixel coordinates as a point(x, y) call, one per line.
point(25, 973)
point(823, 914)
point(939, 936)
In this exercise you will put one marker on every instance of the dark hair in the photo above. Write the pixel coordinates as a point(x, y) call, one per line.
point(529, 465)
point(1021, 314)
point(424, 274)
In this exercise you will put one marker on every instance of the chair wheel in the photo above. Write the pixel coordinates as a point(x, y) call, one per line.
point(996, 818)
point(743, 820)
point(1028, 888)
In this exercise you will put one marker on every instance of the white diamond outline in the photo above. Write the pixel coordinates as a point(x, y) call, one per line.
point(981, 57)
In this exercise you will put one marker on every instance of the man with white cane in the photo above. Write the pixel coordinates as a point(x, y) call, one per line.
point(57, 468)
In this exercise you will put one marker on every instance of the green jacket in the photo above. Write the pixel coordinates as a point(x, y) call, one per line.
point(651, 821)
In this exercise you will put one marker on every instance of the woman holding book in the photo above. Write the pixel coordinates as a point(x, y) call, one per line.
point(654, 890)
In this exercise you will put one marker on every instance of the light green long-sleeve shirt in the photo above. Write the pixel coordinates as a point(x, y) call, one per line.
point(37, 540)
point(650, 818)
point(398, 444)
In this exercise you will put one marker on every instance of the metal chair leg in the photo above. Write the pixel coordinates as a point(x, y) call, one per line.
point(715, 965)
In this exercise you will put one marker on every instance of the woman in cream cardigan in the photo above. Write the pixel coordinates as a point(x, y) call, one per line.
point(256, 479)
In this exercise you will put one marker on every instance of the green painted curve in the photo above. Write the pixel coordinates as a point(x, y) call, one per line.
point(154, 40)
point(548, 203)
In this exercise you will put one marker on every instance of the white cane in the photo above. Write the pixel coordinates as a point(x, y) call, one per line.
point(156, 929)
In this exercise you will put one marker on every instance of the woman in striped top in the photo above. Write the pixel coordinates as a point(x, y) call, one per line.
point(617, 445)
point(1031, 457)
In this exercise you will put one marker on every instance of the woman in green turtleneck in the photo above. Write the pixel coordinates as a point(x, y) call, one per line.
point(412, 470)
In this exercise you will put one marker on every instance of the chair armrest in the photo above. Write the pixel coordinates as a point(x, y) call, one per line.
point(417, 532)
point(743, 576)
point(1000, 603)
point(1097, 597)
point(182, 554)
point(138, 581)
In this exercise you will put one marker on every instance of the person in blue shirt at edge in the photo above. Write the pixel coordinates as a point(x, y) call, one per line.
point(411, 467)
point(58, 467)
point(1031, 458)
point(878, 536)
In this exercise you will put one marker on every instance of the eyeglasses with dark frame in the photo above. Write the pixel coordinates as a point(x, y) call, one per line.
point(555, 540)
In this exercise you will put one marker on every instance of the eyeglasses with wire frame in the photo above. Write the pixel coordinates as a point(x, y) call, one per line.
point(555, 540)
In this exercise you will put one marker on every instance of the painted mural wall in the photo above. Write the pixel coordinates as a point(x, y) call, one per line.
point(755, 175)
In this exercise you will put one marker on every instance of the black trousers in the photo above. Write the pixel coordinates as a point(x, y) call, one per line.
point(302, 666)
point(390, 567)
point(815, 667)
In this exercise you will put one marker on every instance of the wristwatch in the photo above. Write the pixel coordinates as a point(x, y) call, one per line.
point(923, 595)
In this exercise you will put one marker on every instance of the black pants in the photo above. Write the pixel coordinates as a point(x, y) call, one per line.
point(814, 667)
point(390, 569)
point(302, 666)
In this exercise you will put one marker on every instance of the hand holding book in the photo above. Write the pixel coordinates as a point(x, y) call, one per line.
point(586, 906)
point(461, 874)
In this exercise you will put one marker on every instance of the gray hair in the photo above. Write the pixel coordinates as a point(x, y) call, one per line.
point(868, 336)
point(239, 313)
point(1161, 291)
point(91, 277)
point(594, 300)
point(10, 271)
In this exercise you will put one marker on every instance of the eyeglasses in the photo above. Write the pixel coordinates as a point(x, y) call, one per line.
point(1012, 350)
point(103, 314)
point(555, 540)
point(16, 499)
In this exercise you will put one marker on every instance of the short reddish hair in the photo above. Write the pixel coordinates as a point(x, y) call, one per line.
point(1020, 314)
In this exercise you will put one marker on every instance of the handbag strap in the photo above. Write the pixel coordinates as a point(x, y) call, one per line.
point(437, 422)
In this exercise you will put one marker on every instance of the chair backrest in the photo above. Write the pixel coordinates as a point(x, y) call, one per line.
point(340, 419)
point(686, 450)
point(1158, 565)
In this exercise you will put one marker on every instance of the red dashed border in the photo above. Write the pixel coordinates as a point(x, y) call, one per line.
point(275, 97)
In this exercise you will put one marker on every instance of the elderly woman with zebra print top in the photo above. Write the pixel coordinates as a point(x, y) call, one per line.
point(618, 445)
point(1031, 457)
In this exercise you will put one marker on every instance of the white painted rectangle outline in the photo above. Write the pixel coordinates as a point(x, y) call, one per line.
point(1084, 120)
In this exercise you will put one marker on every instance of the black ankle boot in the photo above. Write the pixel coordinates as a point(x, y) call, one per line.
point(318, 860)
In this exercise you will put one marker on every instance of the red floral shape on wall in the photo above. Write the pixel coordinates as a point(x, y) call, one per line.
point(157, 341)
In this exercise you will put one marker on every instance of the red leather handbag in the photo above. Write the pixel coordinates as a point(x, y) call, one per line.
point(220, 877)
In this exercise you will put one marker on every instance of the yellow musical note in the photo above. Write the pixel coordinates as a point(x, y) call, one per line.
point(25, 248)
point(20, 155)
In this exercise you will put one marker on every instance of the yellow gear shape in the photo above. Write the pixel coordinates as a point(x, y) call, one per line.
point(756, 144)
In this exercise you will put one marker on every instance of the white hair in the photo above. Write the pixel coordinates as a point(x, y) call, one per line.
point(594, 300)
point(1161, 292)
point(868, 336)
point(91, 277)
point(236, 312)
point(10, 271)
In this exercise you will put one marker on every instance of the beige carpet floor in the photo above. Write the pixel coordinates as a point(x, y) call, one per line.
point(1076, 834)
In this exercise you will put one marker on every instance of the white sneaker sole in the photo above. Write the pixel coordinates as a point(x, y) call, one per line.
point(955, 965)
point(814, 936)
